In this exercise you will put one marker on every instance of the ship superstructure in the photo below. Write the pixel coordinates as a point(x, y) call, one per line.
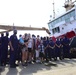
point(64, 23)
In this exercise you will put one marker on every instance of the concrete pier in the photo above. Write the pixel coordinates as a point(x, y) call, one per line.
point(64, 67)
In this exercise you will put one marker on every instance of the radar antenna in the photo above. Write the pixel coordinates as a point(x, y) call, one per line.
point(69, 4)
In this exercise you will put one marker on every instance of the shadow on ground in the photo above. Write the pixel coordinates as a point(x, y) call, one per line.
point(35, 68)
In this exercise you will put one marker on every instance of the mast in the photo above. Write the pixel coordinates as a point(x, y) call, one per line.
point(53, 10)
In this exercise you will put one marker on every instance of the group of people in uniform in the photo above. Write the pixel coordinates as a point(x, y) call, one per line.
point(12, 42)
point(59, 48)
point(29, 48)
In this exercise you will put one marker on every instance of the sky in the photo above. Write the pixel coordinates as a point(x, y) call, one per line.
point(34, 13)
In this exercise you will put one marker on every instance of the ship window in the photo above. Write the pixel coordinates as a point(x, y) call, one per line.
point(66, 16)
point(72, 13)
point(63, 18)
point(60, 19)
point(56, 30)
point(51, 23)
point(67, 20)
point(55, 22)
point(53, 30)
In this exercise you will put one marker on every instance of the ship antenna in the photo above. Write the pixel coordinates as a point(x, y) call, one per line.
point(13, 27)
point(53, 10)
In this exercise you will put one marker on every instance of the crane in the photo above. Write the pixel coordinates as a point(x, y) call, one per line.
point(9, 28)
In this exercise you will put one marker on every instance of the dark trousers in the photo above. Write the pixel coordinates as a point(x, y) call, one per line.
point(4, 54)
point(47, 54)
point(66, 51)
point(0, 55)
point(19, 55)
point(12, 58)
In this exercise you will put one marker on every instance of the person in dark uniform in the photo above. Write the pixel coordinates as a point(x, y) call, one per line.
point(52, 49)
point(44, 43)
point(5, 48)
point(0, 55)
point(2, 50)
point(58, 49)
point(72, 47)
point(61, 41)
point(47, 49)
point(13, 49)
point(66, 47)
